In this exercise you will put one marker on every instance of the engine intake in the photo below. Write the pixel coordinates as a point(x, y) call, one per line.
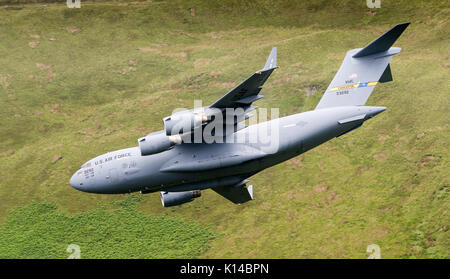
point(177, 198)
point(157, 142)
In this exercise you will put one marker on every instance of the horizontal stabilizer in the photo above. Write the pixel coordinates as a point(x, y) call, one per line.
point(384, 42)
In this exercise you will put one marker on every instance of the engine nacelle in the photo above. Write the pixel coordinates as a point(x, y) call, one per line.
point(183, 122)
point(157, 142)
point(177, 198)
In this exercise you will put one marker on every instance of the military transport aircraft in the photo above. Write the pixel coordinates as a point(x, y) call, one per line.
point(210, 148)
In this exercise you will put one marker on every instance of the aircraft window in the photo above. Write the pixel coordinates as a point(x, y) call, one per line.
point(87, 165)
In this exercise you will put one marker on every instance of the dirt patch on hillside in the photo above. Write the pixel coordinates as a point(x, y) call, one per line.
point(216, 35)
point(56, 158)
point(53, 108)
point(182, 33)
point(202, 62)
point(160, 50)
point(320, 188)
point(382, 138)
point(50, 75)
point(52, 147)
point(5, 81)
point(296, 162)
point(380, 156)
point(7, 153)
point(127, 70)
point(33, 44)
point(429, 159)
point(223, 84)
point(73, 30)
point(296, 195)
point(421, 135)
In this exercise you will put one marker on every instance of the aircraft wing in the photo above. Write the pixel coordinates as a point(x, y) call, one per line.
point(248, 91)
point(243, 95)
point(237, 193)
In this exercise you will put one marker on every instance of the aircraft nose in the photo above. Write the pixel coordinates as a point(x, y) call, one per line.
point(77, 182)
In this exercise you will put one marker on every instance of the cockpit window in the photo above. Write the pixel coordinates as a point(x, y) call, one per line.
point(87, 165)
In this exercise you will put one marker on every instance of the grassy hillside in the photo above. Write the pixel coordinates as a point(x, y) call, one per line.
point(122, 232)
point(76, 83)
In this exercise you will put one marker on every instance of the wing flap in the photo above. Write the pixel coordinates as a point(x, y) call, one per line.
point(236, 194)
point(250, 99)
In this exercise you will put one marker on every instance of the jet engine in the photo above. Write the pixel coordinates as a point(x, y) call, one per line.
point(183, 122)
point(177, 198)
point(157, 142)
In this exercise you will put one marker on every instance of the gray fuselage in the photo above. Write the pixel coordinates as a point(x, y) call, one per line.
point(194, 166)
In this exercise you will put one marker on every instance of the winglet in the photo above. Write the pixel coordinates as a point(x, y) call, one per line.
point(271, 62)
point(384, 42)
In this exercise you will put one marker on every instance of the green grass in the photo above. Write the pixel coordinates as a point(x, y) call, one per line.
point(127, 66)
point(40, 230)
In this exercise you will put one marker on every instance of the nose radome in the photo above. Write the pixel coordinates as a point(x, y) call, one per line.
point(77, 182)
